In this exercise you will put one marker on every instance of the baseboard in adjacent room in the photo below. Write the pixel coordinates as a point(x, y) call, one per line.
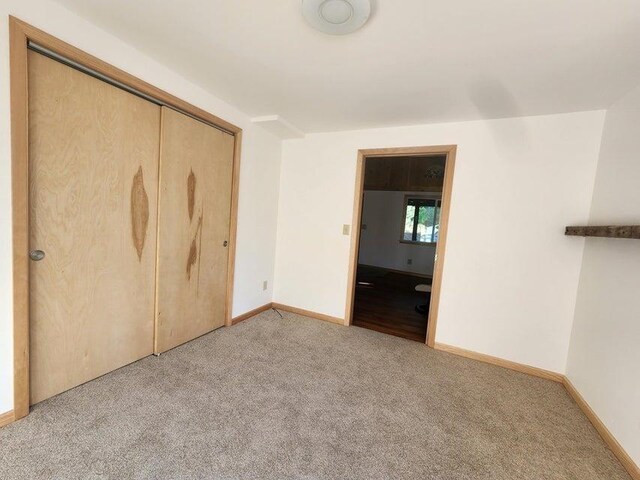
point(309, 313)
point(624, 458)
point(251, 313)
point(392, 270)
point(500, 362)
point(7, 418)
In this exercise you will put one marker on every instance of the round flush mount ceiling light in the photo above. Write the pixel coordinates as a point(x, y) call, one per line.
point(336, 17)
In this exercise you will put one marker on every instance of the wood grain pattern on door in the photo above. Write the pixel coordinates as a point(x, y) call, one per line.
point(196, 166)
point(93, 167)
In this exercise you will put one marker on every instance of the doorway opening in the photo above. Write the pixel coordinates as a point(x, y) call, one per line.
point(401, 213)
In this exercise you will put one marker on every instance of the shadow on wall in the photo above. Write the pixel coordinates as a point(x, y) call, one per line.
point(494, 101)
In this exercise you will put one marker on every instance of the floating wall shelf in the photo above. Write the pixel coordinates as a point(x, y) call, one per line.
point(609, 231)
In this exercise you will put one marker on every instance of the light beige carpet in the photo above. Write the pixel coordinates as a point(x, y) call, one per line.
point(300, 398)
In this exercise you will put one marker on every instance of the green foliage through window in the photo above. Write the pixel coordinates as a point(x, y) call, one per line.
point(422, 220)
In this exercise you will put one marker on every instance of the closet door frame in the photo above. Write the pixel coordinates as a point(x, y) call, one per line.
point(20, 34)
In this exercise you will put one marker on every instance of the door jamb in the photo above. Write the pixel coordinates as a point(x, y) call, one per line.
point(20, 33)
point(450, 152)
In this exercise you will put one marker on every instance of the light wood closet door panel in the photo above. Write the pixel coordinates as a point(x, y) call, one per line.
point(93, 166)
point(196, 167)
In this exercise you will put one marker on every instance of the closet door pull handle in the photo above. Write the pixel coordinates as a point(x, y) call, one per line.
point(36, 255)
point(225, 243)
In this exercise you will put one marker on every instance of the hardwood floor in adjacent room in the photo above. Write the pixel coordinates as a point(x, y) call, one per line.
point(388, 303)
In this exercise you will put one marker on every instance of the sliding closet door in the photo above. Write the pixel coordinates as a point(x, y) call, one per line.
point(93, 166)
point(196, 167)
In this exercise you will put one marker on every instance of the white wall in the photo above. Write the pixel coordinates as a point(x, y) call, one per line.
point(604, 355)
point(380, 246)
point(510, 275)
point(259, 173)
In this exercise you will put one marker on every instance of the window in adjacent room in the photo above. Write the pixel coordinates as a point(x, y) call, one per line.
point(421, 221)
